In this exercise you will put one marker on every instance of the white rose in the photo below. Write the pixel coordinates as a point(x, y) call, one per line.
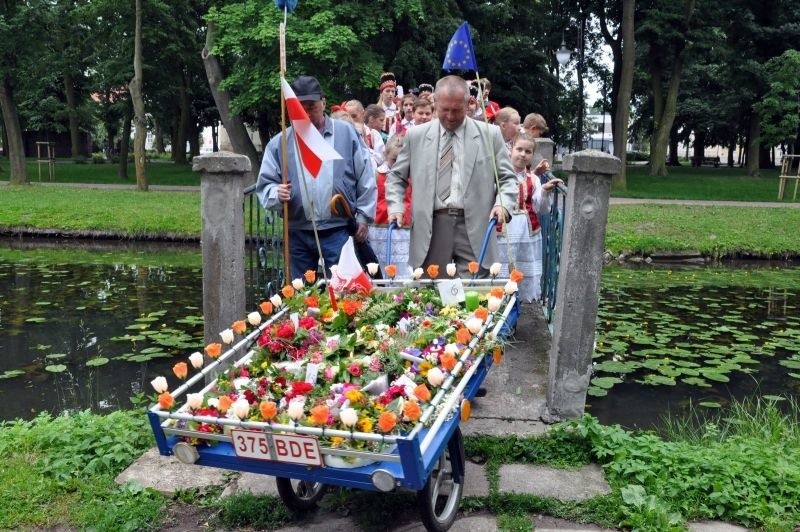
point(254, 319)
point(435, 377)
point(298, 284)
point(372, 268)
point(451, 348)
point(240, 408)
point(296, 409)
point(349, 416)
point(416, 274)
point(276, 301)
point(226, 336)
point(213, 402)
point(494, 269)
point(493, 304)
point(511, 287)
point(474, 325)
point(194, 400)
point(451, 269)
point(196, 359)
point(159, 384)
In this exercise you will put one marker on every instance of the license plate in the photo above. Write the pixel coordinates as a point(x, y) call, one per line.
point(286, 448)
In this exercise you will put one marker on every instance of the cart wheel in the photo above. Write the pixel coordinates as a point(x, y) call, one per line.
point(439, 499)
point(299, 495)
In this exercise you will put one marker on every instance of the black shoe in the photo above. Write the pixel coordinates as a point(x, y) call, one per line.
point(481, 392)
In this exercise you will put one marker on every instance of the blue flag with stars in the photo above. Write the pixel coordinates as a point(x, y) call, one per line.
point(460, 55)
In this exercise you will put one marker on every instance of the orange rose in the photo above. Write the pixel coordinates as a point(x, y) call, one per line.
point(166, 401)
point(311, 302)
point(463, 336)
point(350, 307)
point(287, 291)
point(387, 421)
point(320, 414)
point(481, 313)
point(268, 410)
point(447, 361)
point(239, 327)
point(516, 276)
point(310, 276)
point(433, 271)
point(181, 370)
point(266, 307)
point(473, 267)
point(497, 292)
point(224, 404)
point(411, 410)
point(214, 350)
point(391, 270)
point(422, 393)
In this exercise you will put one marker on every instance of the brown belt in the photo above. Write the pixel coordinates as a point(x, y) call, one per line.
point(449, 212)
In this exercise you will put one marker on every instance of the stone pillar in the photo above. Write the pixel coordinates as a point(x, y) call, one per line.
point(578, 290)
point(222, 184)
point(545, 149)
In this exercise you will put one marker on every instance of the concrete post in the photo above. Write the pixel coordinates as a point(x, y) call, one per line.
point(545, 149)
point(578, 290)
point(222, 184)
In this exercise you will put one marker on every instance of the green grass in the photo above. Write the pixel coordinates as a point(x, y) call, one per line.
point(713, 231)
point(707, 183)
point(67, 171)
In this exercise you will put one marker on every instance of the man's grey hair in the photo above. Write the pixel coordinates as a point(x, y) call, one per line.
point(452, 84)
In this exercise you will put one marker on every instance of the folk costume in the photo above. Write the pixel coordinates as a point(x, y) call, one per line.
point(391, 111)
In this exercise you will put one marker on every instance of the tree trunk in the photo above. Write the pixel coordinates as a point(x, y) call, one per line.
point(234, 125)
point(135, 88)
point(753, 145)
point(158, 144)
point(622, 112)
point(72, 113)
point(662, 122)
point(731, 150)
point(673, 159)
point(13, 130)
point(699, 148)
point(194, 139)
point(124, 145)
point(183, 122)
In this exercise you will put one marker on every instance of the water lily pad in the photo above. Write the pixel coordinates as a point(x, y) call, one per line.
point(606, 382)
point(715, 376)
point(775, 398)
point(99, 361)
point(10, 374)
point(710, 404)
point(36, 320)
point(57, 368)
point(696, 381)
point(594, 391)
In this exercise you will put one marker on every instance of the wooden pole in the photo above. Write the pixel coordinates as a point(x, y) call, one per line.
point(284, 153)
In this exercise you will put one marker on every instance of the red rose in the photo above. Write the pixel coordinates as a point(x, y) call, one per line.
point(354, 370)
point(263, 339)
point(307, 323)
point(301, 387)
point(286, 330)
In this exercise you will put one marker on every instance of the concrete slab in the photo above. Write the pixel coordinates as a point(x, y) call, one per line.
point(477, 485)
point(713, 526)
point(470, 523)
point(544, 481)
point(261, 485)
point(546, 523)
point(168, 475)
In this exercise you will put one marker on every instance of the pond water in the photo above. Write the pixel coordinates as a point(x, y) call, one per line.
point(89, 326)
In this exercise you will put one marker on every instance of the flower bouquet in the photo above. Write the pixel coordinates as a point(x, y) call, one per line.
point(356, 368)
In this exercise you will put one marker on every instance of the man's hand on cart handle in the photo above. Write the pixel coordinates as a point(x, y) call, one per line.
point(397, 218)
point(499, 213)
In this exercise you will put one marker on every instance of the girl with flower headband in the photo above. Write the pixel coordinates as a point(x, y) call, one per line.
point(524, 230)
point(388, 88)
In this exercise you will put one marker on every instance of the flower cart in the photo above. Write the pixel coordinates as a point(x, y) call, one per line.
point(356, 388)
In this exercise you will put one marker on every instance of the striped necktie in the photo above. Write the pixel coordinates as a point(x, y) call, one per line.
point(444, 172)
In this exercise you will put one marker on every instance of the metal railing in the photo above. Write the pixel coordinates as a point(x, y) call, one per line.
point(552, 234)
point(264, 266)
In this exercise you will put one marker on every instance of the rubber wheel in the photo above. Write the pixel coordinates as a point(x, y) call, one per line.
point(440, 497)
point(299, 495)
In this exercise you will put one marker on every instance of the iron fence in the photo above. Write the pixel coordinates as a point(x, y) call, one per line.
point(265, 273)
point(552, 234)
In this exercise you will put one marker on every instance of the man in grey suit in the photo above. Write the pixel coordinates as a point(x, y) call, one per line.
point(451, 161)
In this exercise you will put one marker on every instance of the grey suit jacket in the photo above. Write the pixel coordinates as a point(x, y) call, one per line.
point(416, 164)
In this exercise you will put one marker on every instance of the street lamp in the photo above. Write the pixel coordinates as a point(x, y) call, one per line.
point(562, 56)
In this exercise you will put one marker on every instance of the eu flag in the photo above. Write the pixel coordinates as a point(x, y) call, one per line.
point(460, 55)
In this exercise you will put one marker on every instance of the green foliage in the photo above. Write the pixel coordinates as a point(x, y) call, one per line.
point(780, 107)
point(79, 445)
point(557, 449)
point(248, 510)
point(741, 477)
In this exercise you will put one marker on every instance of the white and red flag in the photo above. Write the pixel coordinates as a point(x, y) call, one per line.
point(313, 148)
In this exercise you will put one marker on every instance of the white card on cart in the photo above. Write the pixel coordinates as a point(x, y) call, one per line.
point(451, 291)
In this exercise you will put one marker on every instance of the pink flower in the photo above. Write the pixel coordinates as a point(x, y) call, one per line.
point(354, 370)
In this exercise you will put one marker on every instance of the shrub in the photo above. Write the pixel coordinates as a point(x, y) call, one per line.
point(638, 156)
point(98, 158)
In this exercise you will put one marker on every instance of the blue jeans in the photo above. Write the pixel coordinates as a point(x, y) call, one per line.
point(303, 252)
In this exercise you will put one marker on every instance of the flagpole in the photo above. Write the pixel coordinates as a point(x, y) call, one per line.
point(284, 150)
